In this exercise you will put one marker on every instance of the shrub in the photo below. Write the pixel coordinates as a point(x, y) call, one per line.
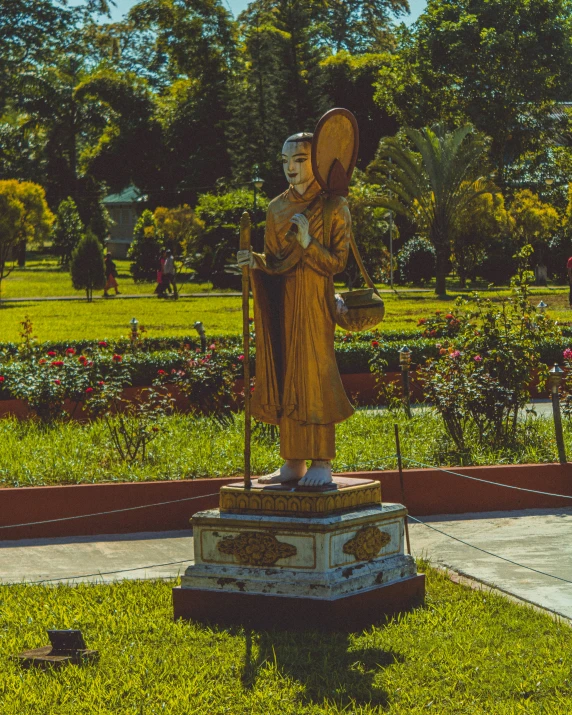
point(211, 247)
point(482, 379)
point(87, 267)
point(67, 231)
point(145, 250)
point(498, 265)
point(416, 261)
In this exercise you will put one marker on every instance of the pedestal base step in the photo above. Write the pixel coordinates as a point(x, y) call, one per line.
point(348, 613)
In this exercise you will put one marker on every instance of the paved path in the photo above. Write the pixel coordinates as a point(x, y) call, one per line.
point(92, 558)
point(539, 538)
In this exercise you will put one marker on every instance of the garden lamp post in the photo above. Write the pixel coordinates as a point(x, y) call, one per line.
point(134, 325)
point(542, 307)
point(405, 363)
point(257, 183)
point(200, 328)
point(554, 382)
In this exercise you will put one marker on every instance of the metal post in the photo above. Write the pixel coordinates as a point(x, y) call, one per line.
point(405, 362)
point(390, 243)
point(391, 249)
point(400, 467)
point(245, 235)
point(554, 381)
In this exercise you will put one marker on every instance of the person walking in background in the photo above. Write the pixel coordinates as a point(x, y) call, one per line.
point(160, 287)
point(111, 275)
point(169, 273)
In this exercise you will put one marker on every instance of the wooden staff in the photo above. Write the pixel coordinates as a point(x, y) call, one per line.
point(245, 230)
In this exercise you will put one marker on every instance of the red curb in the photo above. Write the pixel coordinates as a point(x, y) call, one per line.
point(427, 492)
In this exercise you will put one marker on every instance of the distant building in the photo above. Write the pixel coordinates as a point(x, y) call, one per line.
point(124, 209)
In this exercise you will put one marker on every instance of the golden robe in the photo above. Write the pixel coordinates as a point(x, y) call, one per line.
point(298, 385)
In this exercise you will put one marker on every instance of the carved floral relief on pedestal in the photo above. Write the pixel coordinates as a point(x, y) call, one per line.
point(256, 548)
point(367, 543)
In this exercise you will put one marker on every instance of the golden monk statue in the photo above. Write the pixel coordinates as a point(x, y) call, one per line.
point(298, 384)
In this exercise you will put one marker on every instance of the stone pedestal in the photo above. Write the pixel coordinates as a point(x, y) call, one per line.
point(287, 557)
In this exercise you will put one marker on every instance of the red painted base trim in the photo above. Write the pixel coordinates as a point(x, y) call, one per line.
point(427, 492)
point(350, 613)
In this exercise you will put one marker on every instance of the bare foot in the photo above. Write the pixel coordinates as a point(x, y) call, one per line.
point(291, 469)
point(319, 474)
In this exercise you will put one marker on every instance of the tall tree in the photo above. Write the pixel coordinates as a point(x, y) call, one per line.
point(24, 217)
point(500, 65)
point(196, 36)
point(359, 26)
point(67, 231)
point(433, 175)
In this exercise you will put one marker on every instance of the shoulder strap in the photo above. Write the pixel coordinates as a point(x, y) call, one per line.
point(328, 215)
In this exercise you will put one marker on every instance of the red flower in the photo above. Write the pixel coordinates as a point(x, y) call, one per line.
point(198, 350)
point(82, 359)
point(567, 354)
point(212, 347)
point(449, 316)
point(89, 390)
point(70, 351)
point(477, 358)
point(102, 344)
point(433, 333)
point(161, 372)
point(422, 321)
point(155, 429)
point(52, 353)
point(57, 363)
point(101, 383)
point(374, 344)
point(438, 312)
point(58, 382)
point(117, 358)
point(42, 361)
point(1, 378)
point(241, 358)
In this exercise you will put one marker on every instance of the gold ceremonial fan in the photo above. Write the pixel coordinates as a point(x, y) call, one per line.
point(334, 150)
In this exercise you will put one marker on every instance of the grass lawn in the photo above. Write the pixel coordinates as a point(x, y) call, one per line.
point(32, 455)
point(466, 652)
point(44, 277)
point(62, 320)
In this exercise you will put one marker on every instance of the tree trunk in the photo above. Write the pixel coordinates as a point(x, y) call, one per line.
point(21, 252)
point(441, 269)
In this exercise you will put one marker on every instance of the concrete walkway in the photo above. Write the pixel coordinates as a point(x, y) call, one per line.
point(541, 539)
point(538, 538)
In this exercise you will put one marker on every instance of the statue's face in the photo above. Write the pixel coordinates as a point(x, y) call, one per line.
point(296, 159)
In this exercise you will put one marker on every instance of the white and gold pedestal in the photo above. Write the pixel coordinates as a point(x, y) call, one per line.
point(284, 557)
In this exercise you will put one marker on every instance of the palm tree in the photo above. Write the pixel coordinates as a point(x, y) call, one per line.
point(433, 181)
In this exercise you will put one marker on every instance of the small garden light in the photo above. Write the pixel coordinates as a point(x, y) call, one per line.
point(405, 357)
point(554, 381)
point(257, 183)
point(134, 325)
point(200, 328)
point(405, 362)
point(542, 306)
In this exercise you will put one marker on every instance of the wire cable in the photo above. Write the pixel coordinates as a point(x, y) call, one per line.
point(92, 575)
point(486, 481)
point(113, 511)
point(478, 548)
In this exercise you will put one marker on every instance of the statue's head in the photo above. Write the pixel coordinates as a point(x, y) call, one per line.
point(297, 162)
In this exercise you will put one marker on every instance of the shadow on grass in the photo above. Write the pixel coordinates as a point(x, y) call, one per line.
point(327, 665)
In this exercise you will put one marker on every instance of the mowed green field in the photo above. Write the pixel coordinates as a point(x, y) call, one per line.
point(221, 315)
point(44, 277)
point(466, 651)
